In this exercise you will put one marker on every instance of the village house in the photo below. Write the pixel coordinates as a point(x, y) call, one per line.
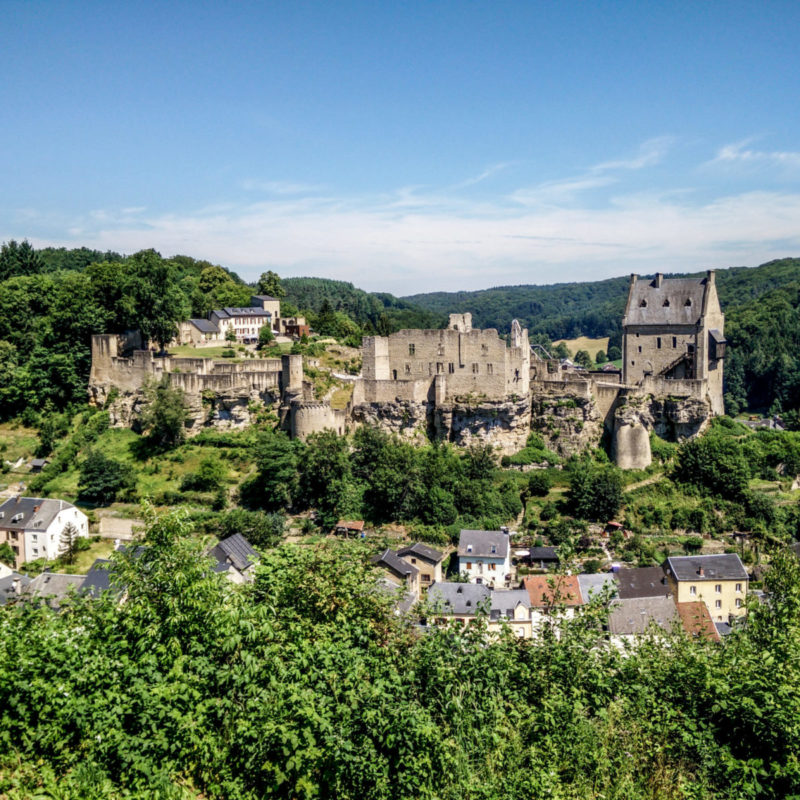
point(720, 581)
point(633, 617)
point(459, 602)
point(593, 585)
point(552, 596)
point(34, 527)
point(398, 571)
point(643, 582)
point(512, 607)
point(485, 556)
point(54, 588)
point(426, 559)
point(349, 527)
point(236, 558)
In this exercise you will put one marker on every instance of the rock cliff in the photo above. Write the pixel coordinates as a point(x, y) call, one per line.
point(568, 422)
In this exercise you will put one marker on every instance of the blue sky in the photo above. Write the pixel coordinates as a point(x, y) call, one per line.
point(406, 146)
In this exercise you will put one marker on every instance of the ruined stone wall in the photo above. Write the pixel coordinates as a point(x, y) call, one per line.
point(503, 424)
point(314, 417)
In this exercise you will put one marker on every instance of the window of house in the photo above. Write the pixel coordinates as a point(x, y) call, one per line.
point(413, 560)
point(718, 604)
point(475, 369)
point(738, 602)
point(738, 587)
point(493, 567)
point(34, 537)
point(692, 590)
point(718, 588)
point(412, 349)
point(469, 565)
point(451, 368)
point(490, 369)
point(426, 578)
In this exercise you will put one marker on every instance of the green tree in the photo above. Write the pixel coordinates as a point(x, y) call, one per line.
point(19, 258)
point(7, 555)
point(270, 284)
point(210, 475)
point(69, 544)
point(265, 336)
point(595, 492)
point(275, 485)
point(614, 353)
point(600, 357)
point(713, 463)
point(103, 479)
point(165, 414)
point(583, 359)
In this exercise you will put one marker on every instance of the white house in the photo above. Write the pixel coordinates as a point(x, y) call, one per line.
point(485, 556)
point(34, 526)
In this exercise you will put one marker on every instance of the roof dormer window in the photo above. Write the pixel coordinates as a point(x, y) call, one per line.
point(494, 548)
point(469, 548)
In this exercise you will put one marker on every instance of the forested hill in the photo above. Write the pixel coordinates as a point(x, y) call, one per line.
point(379, 312)
point(569, 310)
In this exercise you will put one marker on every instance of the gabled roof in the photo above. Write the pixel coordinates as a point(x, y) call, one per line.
point(32, 513)
point(636, 614)
point(351, 524)
point(642, 582)
point(549, 590)
point(8, 586)
point(405, 600)
point(724, 567)
point(696, 620)
point(422, 551)
point(237, 551)
point(676, 301)
point(204, 325)
point(459, 598)
point(593, 585)
point(54, 586)
point(482, 544)
point(504, 601)
point(98, 578)
point(391, 561)
point(543, 554)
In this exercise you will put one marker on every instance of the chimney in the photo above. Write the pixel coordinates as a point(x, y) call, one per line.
point(711, 276)
point(659, 279)
point(17, 586)
point(634, 278)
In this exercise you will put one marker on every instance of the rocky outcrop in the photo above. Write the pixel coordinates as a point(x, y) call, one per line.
point(502, 424)
point(405, 418)
point(568, 422)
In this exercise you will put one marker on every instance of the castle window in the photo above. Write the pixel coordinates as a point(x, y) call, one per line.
point(412, 349)
point(643, 304)
point(658, 342)
point(490, 369)
point(408, 369)
point(394, 374)
point(688, 302)
point(674, 341)
point(640, 348)
point(690, 348)
point(439, 368)
point(484, 349)
point(633, 363)
point(666, 304)
point(476, 368)
point(451, 368)
point(440, 350)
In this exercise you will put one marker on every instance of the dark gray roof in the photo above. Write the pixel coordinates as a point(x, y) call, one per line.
point(723, 629)
point(725, 567)
point(30, 512)
point(642, 582)
point(237, 551)
point(204, 325)
point(265, 297)
point(485, 544)
point(544, 554)
point(391, 561)
point(249, 311)
point(593, 585)
point(7, 584)
point(423, 551)
point(667, 304)
point(98, 578)
point(504, 601)
point(221, 313)
point(54, 586)
point(38, 462)
point(459, 598)
point(405, 600)
point(634, 615)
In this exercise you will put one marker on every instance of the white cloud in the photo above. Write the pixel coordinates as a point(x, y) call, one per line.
point(741, 153)
point(650, 153)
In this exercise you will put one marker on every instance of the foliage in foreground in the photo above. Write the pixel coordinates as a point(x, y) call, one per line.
point(307, 685)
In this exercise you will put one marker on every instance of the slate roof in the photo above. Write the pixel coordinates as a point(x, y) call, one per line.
point(405, 601)
point(634, 615)
point(36, 513)
point(204, 325)
point(7, 592)
point(479, 544)
point(678, 301)
point(54, 586)
point(593, 585)
point(459, 598)
point(547, 590)
point(543, 554)
point(98, 578)
point(237, 551)
point(642, 582)
point(696, 620)
point(504, 601)
point(391, 561)
point(250, 311)
point(422, 551)
point(724, 567)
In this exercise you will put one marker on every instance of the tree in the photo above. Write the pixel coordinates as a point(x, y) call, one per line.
point(7, 554)
point(165, 414)
point(158, 302)
point(560, 350)
point(103, 479)
point(583, 359)
point(230, 335)
point(265, 337)
point(68, 547)
point(270, 283)
point(19, 258)
point(715, 464)
point(600, 357)
point(210, 476)
point(614, 353)
point(595, 493)
point(274, 486)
